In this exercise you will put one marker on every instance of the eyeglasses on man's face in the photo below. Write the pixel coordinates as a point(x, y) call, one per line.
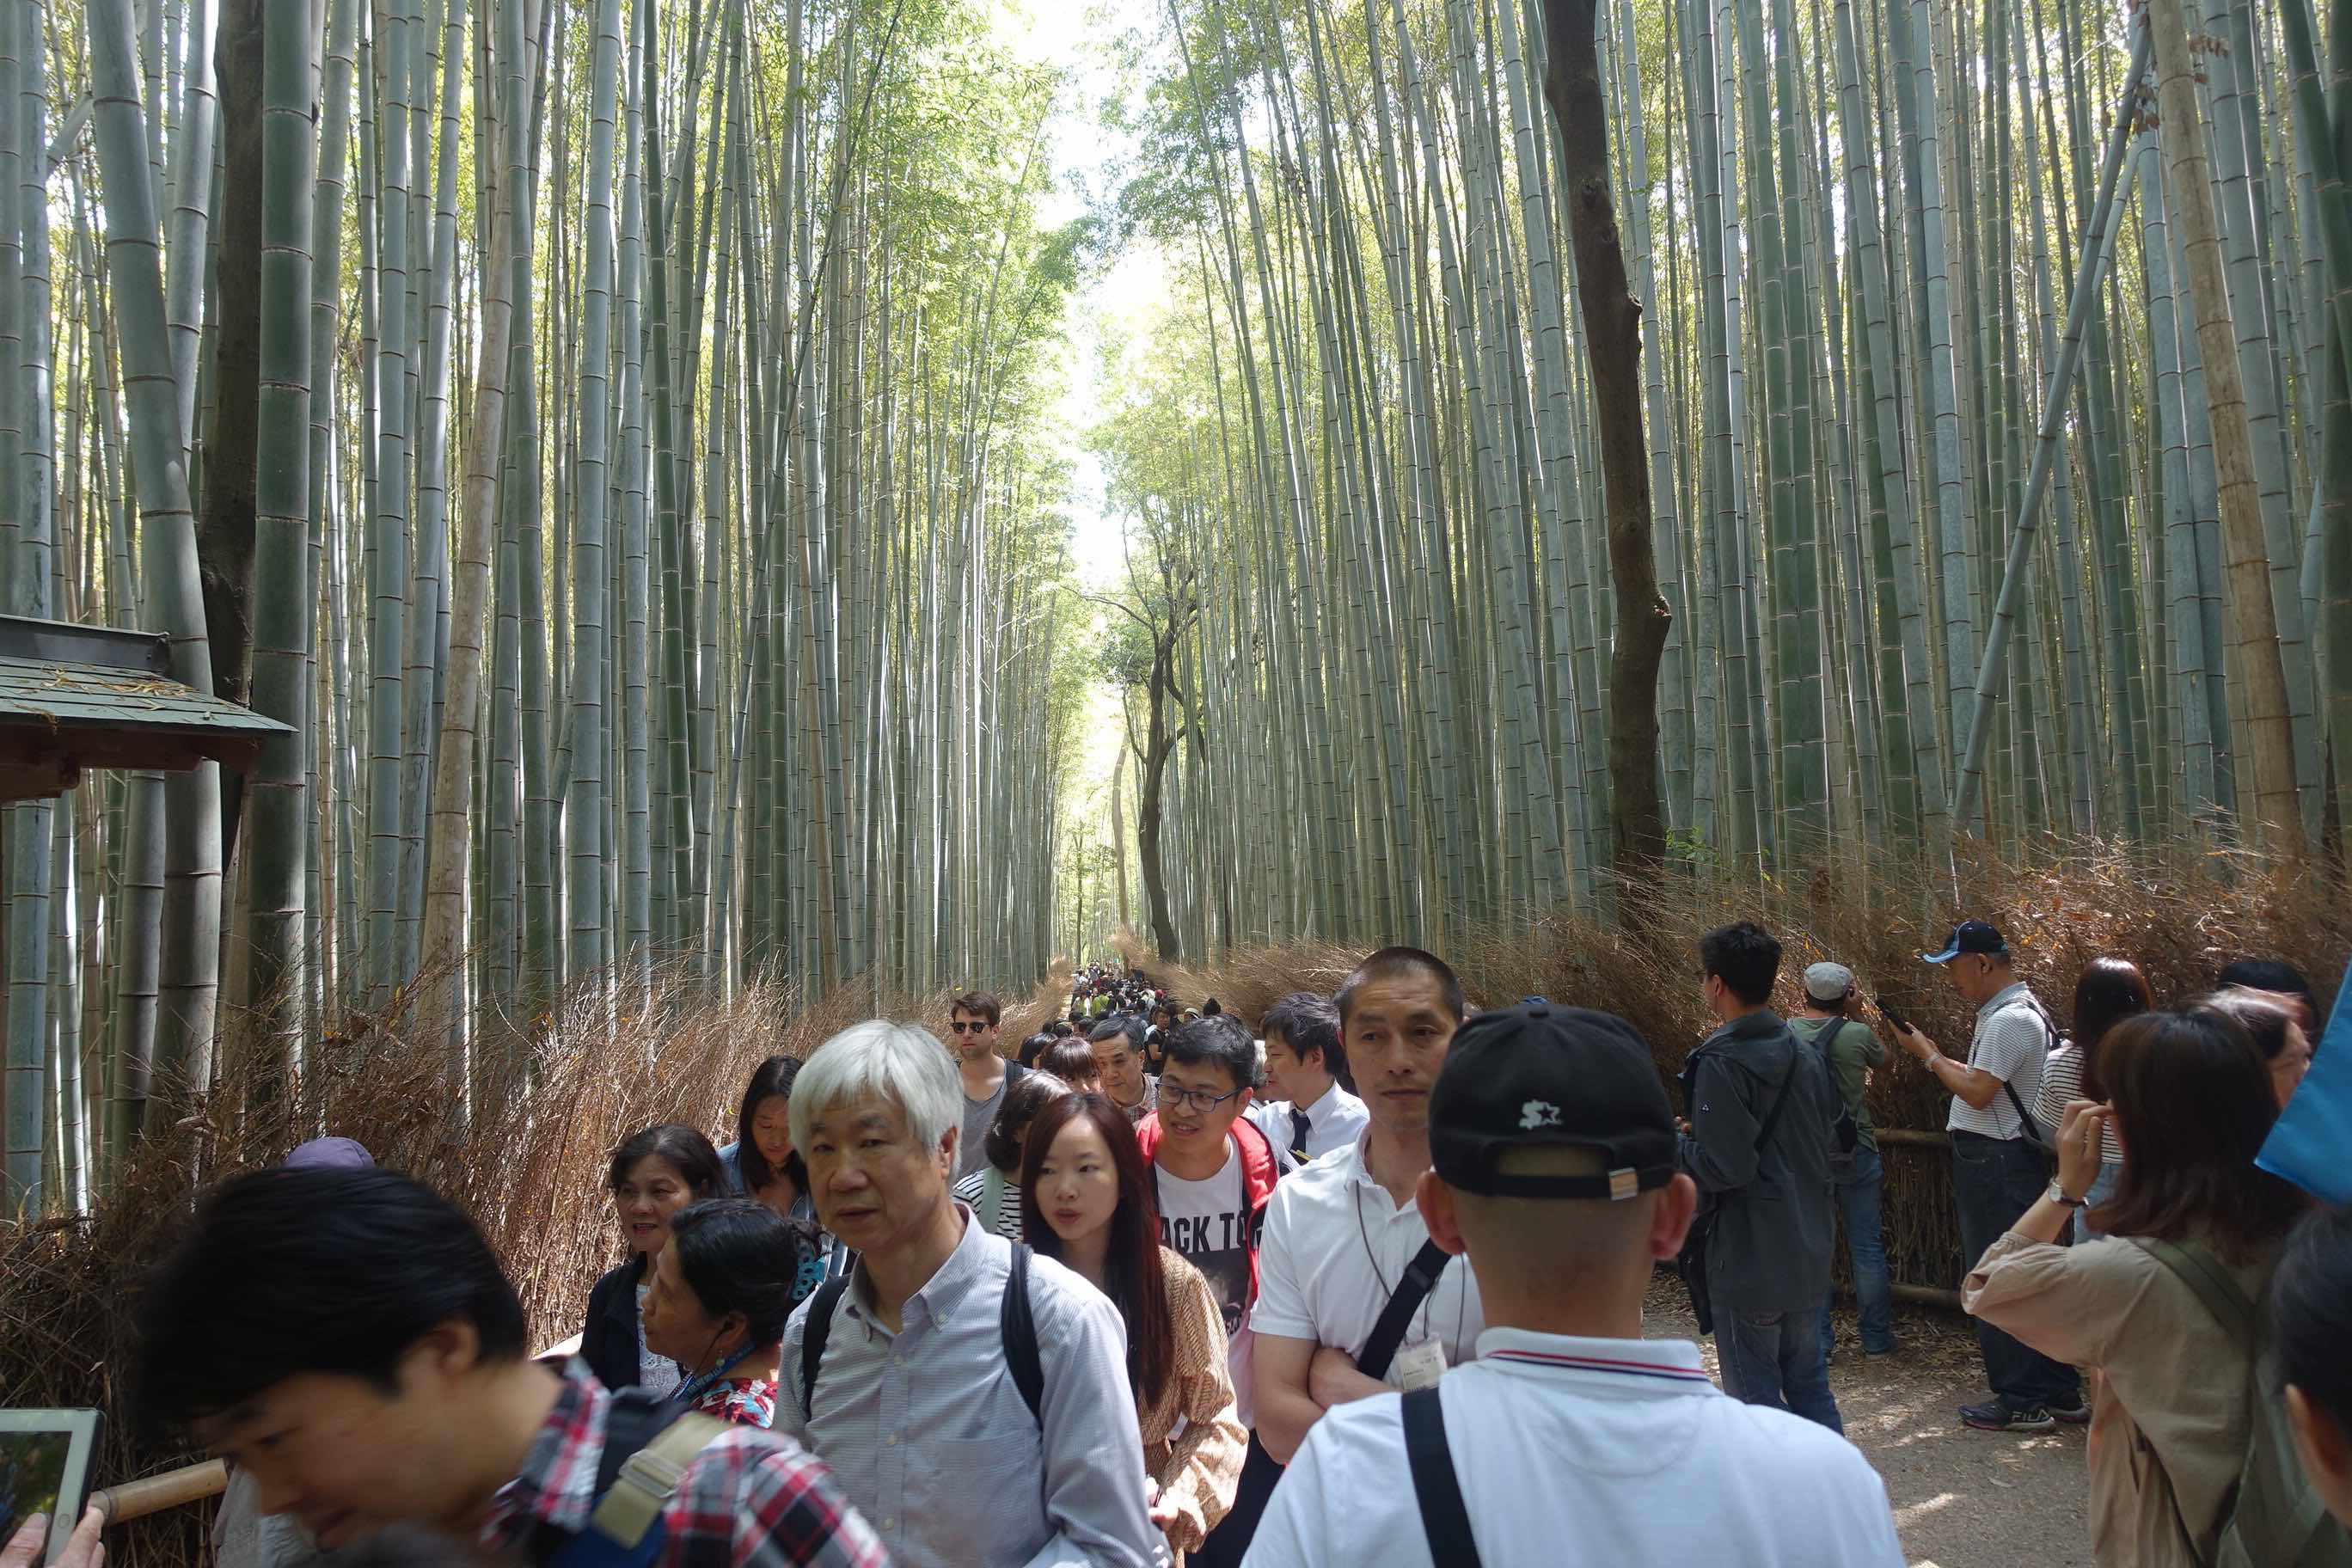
point(1199, 1100)
point(968, 1026)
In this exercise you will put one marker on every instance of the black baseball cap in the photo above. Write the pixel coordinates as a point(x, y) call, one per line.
point(1969, 936)
point(1540, 1076)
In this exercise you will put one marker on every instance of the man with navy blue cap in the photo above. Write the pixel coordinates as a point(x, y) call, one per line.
point(2000, 1159)
point(1571, 1440)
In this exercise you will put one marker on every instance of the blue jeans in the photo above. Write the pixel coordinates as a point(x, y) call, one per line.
point(1774, 1359)
point(1859, 1177)
point(1994, 1181)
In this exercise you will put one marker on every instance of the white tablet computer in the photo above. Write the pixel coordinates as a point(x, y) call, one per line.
point(45, 1460)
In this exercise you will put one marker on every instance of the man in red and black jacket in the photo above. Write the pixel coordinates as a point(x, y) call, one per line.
point(1214, 1171)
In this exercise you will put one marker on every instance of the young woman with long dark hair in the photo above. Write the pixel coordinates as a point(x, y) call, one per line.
point(653, 1174)
point(2108, 991)
point(761, 1163)
point(1085, 1200)
point(2191, 1101)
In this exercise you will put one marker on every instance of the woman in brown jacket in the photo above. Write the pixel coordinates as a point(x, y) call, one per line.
point(1085, 1199)
point(2190, 1102)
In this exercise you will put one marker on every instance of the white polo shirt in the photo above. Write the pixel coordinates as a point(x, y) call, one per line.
point(1335, 1247)
point(1576, 1451)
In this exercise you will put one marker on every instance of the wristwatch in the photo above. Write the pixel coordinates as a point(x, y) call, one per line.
point(2058, 1195)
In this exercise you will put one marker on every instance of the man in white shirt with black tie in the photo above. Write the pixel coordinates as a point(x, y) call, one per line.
point(1571, 1440)
point(1311, 1110)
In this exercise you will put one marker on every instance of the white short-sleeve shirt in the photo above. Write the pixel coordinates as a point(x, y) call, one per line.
point(1334, 1248)
point(2012, 1043)
point(1576, 1451)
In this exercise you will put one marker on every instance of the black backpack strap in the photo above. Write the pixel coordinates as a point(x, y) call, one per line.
point(1779, 1097)
point(1412, 1287)
point(1020, 1329)
point(822, 1307)
point(1436, 1486)
point(633, 1419)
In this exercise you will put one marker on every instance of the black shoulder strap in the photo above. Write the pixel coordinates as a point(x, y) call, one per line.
point(1020, 1329)
point(1779, 1097)
point(1435, 1485)
point(1413, 1287)
point(813, 1336)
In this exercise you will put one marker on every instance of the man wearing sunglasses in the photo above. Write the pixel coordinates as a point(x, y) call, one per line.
point(972, 1018)
point(1214, 1170)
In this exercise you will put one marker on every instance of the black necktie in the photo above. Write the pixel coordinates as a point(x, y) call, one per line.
point(1299, 1126)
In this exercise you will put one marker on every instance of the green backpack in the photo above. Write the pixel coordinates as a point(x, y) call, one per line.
point(2273, 1517)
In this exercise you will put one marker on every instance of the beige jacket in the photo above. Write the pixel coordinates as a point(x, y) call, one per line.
point(1193, 1441)
point(2171, 1405)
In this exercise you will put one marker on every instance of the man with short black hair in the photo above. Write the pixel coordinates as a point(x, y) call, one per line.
point(1761, 1107)
point(2000, 1167)
point(1571, 1441)
point(1306, 1066)
point(1352, 1297)
point(348, 1338)
point(1118, 1044)
point(1213, 1170)
point(973, 1018)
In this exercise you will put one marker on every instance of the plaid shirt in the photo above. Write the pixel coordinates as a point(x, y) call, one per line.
point(750, 1500)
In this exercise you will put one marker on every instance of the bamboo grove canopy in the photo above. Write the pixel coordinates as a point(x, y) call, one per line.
point(619, 440)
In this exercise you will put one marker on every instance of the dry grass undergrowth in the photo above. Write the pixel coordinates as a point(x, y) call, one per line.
point(531, 1170)
point(2173, 913)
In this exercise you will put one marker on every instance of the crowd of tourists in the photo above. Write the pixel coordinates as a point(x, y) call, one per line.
point(1363, 1284)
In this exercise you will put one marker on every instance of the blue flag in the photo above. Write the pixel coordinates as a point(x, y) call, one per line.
point(2311, 1142)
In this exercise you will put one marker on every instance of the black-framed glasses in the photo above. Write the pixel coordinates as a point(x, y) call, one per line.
point(1199, 1100)
point(972, 1027)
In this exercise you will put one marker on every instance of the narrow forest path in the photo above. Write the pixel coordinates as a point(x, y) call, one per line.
point(1962, 1498)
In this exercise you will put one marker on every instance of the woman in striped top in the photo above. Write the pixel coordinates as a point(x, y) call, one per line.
point(2109, 991)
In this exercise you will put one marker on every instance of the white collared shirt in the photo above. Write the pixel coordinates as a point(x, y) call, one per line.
point(1335, 1119)
point(1335, 1247)
point(1575, 1451)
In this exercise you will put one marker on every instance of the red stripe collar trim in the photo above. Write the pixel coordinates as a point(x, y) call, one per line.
point(1601, 1364)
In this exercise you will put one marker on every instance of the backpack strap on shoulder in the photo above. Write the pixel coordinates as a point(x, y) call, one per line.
point(1435, 1485)
point(822, 1307)
point(649, 1478)
point(2222, 1295)
point(1019, 1326)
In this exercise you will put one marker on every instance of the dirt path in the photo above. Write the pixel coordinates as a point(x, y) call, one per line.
point(1962, 1498)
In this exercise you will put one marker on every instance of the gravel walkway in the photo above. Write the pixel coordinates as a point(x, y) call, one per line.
point(1962, 1498)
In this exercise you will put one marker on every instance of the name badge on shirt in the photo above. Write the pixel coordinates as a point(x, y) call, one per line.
point(1421, 1364)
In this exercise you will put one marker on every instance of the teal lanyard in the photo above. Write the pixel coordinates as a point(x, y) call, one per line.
point(702, 1382)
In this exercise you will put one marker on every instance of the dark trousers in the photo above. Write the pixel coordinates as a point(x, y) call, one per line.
point(1859, 1177)
point(1774, 1359)
point(1229, 1543)
point(1995, 1180)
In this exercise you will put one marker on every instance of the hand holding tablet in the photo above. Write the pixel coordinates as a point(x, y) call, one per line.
point(45, 1458)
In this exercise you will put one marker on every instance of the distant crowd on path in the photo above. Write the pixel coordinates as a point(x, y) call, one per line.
point(1362, 1286)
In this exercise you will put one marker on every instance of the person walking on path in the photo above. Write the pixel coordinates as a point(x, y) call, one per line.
point(1353, 1295)
point(2000, 1161)
point(971, 1397)
point(1852, 1048)
point(1761, 1109)
point(1118, 1045)
point(972, 1021)
point(1571, 1441)
point(1316, 1113)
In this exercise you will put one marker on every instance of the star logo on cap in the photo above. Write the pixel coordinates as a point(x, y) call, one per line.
point(1538, 1113)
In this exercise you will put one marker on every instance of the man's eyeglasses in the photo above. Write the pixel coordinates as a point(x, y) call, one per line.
point(973, 1027)
point(1199, 1100)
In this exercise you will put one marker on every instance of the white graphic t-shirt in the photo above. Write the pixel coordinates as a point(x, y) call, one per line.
point(1208, 1222)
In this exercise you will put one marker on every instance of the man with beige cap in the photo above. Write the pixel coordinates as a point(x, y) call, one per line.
point(1852, 1048)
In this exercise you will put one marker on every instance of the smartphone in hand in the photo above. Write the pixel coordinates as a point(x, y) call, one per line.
point(1902, 1025)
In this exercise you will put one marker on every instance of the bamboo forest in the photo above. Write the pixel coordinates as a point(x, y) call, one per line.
point(882, 493)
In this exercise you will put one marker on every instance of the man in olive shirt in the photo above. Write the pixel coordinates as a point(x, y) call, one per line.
point(1852, 1048)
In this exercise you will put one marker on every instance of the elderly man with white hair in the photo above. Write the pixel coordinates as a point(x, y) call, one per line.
point(971, 1399)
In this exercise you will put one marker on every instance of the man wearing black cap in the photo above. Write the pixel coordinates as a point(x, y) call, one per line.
point(1999, 1164)
point(1571, 1440)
